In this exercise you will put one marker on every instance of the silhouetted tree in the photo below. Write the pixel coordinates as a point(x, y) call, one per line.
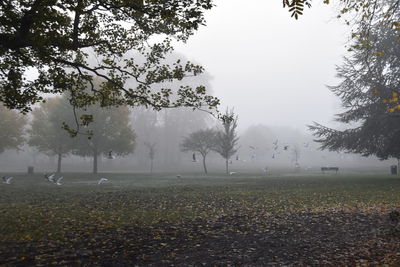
point(369, 92)
point(296, 156)
point(202, 141)
point(226, 139)
point(58, 38)
point(152, 152)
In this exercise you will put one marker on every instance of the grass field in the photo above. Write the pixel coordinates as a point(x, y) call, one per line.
point(161, 219)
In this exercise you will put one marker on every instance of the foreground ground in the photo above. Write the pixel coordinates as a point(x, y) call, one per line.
point(162, 220)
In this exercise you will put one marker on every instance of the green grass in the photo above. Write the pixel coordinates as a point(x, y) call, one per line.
point(32, 209)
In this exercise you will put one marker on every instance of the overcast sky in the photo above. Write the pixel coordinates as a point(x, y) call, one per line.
point(271, 68)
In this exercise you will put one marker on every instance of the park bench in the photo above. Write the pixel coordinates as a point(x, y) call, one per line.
point(324, 169)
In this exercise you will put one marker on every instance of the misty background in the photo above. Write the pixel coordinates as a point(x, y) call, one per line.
point(271, 69)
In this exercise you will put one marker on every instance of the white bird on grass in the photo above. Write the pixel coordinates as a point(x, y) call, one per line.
point(7, 179)
point(49, 178)
point(102, 180)
point(232, 173)
point(58, 182)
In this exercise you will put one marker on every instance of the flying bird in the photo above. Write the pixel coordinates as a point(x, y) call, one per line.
point(178, 176)
point(285, 147)
point(276, 142)
point(7, 179)
point(102, 180)
point(252, 147)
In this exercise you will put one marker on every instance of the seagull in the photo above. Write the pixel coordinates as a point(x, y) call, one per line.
point(252, 147)
point(285, 147)
point(49, 178)
point(102, 180)
point(58, 182)
point(7, 179)
point(232, 173)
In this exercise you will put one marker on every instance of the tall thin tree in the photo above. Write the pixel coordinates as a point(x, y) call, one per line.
point(152, 152)
point(226, 139)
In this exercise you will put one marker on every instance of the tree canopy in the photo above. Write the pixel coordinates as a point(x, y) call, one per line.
point(110, 134)
point(55, 41)
point(202, 141)
point(46, 132)
point(12, 129)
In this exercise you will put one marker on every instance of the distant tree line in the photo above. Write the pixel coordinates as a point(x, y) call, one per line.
point(110, 133)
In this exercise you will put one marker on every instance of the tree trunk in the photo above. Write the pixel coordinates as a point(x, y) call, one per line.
point(59, 162)
point(95, 161)
point(226, 165)
point(204, 164)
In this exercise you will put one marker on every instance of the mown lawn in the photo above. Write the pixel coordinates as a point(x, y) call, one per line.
point(161, 219)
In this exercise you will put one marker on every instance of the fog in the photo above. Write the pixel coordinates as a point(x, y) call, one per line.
point(272, 69)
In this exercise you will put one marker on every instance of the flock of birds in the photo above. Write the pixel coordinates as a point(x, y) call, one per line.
point(57, 181)
point(52, 179)
point(276, 146)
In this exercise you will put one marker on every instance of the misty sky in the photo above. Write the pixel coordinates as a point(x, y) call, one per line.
point(271, 68)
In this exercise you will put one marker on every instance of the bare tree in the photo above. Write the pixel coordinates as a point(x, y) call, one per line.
point(152, 151)
point(296, 156)
point(202, 141)
point(226, 140)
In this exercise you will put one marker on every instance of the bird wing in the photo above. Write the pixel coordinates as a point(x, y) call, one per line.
point(59, 179)
point(51, 177)
point(102, 180)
